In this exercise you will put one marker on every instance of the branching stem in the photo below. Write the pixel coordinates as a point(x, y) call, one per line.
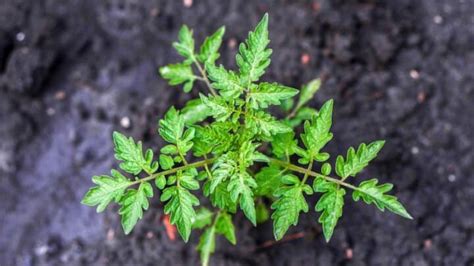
point(173, 170)
point(204, 77)
point(287, 165)
point(306, 174)
point(302, 170)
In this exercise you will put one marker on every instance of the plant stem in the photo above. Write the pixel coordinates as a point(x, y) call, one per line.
point(302, 170)
point(287, 165)
point(306, 174)
point(172, 171)
point(206, 167)
point(204, 78)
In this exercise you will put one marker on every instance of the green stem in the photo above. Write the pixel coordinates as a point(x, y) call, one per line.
point(284, 164)
point(172, 171)
point(206, 167)
point(302, 170)
point(306, 174)
point(204, 78)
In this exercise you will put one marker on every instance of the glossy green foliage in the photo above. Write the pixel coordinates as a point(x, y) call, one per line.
point(227, 143)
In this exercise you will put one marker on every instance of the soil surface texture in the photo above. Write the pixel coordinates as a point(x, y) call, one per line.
point(72, 71)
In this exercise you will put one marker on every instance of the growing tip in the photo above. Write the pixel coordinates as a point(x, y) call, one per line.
point(407, 215)
point(264, 20)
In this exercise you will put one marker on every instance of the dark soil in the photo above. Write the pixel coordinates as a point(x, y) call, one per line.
point(71, 71)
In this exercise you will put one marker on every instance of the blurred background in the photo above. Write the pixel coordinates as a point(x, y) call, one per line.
point(72, 71)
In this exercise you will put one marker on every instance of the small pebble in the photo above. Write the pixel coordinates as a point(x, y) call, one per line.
point(232, 43)
point(154, 12)
point(50, 111)
point(20, 36)
point(415, 150)
point(125, 122)
point(451, 178)
point(305, 58)
point(316, 6)
point(187, 3)
point(414, 74)
point(60, 95)
point(438, 19)
point(41, 250)
point(427, 244)
point(150, 235)
point(421, 97)
point(110, 234)
point(349, 253)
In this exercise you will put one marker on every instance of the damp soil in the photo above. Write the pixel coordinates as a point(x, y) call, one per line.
point(73, 71)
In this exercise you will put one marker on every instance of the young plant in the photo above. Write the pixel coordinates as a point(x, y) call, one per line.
point(230, 146)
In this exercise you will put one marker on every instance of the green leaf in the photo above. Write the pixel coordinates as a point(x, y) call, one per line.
point(240, 188)
point(304, 113)
point(220, 197)
point(316, 133)
point(131, 154)
point(284, 144)
point(107, 189)
point(326, 169)
point(266, 94)
point(172, 130)
point(203, 218)
point(262, 213)
point(287, 104)
point(219, 108)
point(185, 45)
point(132, 205)
point(225, 227)
point(166, 162)
point(223, 168)
point(210, 48)
point(216, 138)
point(357, 161)
point(186, 179)
point(307, 92)
point(172, 126)
point(160, 182)
point(180, 208)
point(207, 244)
point(268, 179)
point(372, 193)
point(330, 204)
point(265, 124)
point(195, 111)
point(254, 57)
point(178, 74)
point(287, 208)
point(226, 81)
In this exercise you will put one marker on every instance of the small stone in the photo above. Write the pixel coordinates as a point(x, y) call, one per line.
point(110, 234)
point(154, 12)
point(316, 6)
point(187, 3)
point(50, 111)
point(451, 178)
point(415, 150)
point(427, 244)
point(414, 74)
point(421, 97)
point(60, 95)
point(305, 58)
point(232, 43)
point(20, 36)
point(41, 250)
point(150, 235)
point(349, 253)
point(125, 122)
point(438, 19)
